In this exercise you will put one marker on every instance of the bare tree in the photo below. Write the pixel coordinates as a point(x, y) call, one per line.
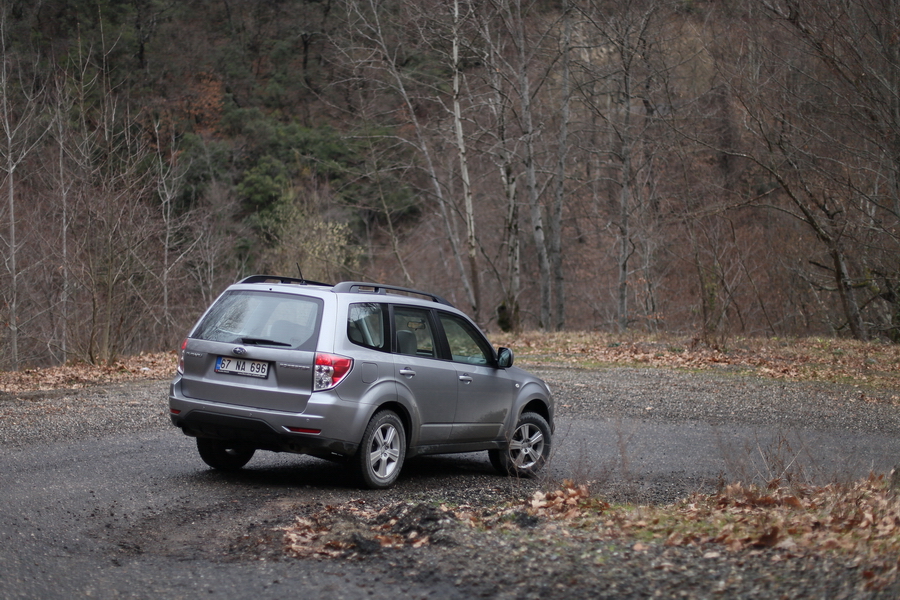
point(375, 55)
point(469, 210)
point(110, 151)
point(622, 79)
point(212, 264)
point(117, 215)
point(556, 213)
point(176, 246)
point(525, 53)
point(64, 184)
point(21, 98)
point(820, 103)
point(500, 144)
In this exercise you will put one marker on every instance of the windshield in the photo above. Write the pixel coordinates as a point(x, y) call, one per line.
point(264, 319)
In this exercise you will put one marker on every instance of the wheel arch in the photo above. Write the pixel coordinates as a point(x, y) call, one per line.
point(539, 406)
point(402, 413)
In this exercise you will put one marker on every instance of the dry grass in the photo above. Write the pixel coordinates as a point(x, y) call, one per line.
point(860, 520)
point(873, 364)
point(76, 375)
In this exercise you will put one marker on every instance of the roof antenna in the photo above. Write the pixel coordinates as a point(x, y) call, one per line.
point(301, 274)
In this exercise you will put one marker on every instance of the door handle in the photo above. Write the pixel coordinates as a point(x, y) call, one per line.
point(407, 372)
point(465, 378)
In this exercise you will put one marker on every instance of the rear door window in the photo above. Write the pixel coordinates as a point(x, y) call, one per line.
point(263, 318)
point(414, 335)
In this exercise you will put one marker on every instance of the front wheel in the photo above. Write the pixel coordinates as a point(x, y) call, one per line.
point(224, 456)
point(382, 450)
point(528, 449)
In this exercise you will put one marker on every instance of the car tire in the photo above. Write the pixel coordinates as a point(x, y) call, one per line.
point(382, 450)
point(528, 449)
point(222, 455)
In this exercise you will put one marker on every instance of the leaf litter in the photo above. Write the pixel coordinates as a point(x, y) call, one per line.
point(872, 363)
point(859, 522)
point(79, 375)
point(803, 359)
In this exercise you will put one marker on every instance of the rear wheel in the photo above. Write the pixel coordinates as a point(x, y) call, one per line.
point(382, 450)
point(222, 455)
point(528, 449)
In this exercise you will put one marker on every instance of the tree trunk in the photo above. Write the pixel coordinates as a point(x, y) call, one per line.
point(625, 246)
point(13, 318)
point(508, 314)
point(534, 201)
point(499, 103)
point(371, 31)
point(556, 255)
point(471, 240)
point(845, 292)
point(64, 232)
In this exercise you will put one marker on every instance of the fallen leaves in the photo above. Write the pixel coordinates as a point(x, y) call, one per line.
point(78, 375)
point(807, 359)
point(568, 502)
point(811, 359)
point(860, 520)
point(354, 529)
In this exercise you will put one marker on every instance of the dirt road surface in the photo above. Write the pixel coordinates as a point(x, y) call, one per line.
point(100, 497)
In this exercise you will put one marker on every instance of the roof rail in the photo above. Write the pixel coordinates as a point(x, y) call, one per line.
point(280, 279)
point(378, 288)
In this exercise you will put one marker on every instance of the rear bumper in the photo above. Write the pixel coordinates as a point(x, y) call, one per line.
point(265, 429)
point(258, 434)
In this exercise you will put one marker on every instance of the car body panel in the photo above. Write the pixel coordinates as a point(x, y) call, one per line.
point(483, 402)
point(430, 385)
point(286, 387)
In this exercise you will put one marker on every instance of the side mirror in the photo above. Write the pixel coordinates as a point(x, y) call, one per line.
point(504, 358)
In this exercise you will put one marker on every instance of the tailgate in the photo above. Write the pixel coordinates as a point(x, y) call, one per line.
point(262, 378)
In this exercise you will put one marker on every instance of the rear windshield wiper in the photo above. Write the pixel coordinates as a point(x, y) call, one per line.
point(262, 342)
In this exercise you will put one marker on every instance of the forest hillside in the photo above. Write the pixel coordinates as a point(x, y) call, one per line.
point(710, 169)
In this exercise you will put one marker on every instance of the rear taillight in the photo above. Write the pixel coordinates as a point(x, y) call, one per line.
point(181, 357)
point(330, 370)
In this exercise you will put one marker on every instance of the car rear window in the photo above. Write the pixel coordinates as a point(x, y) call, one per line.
point(264, 319)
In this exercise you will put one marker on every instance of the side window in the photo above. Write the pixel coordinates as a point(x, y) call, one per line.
point(365, 325)
point(466, 345)
point(413, 332)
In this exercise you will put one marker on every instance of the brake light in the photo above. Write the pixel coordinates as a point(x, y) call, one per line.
point(181, 356)
point(330, 370)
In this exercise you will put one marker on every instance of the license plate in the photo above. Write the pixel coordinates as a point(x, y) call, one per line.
point(242, 366)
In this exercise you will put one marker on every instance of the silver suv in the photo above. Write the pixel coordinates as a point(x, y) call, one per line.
point(371, 373)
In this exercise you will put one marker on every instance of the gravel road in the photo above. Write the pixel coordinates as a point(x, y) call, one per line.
point(102, 496)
